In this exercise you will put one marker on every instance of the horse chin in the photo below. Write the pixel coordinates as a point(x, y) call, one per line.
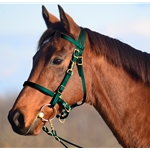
point(35, 127)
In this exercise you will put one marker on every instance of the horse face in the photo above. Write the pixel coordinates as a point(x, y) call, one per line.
point(50, 64)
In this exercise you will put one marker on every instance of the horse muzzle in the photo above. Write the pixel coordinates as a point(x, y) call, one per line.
point(17, 122)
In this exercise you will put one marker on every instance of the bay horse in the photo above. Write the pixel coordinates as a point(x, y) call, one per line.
point(74, 65)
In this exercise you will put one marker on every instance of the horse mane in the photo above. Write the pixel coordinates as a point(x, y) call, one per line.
point(135, 62)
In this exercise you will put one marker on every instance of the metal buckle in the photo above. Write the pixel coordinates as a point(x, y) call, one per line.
point(70, 71)
point(68, 110)
point(75, 51)
point(80, 57)
point(59, 88)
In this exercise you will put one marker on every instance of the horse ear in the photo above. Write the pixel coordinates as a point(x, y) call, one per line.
point(67, 21)
point(63, 18)
point(48, 17)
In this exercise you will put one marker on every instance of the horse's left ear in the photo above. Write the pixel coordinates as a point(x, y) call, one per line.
point(48, 17)
point(68, 22)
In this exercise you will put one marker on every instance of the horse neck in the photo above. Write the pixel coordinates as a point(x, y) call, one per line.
point(122, 102)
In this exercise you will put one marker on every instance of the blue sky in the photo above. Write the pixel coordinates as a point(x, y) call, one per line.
point(21, 26)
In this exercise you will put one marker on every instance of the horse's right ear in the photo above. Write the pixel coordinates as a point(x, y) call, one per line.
point(48, 17)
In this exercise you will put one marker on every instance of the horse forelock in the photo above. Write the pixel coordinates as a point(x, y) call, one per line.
point(119, 54)
point(50, 32)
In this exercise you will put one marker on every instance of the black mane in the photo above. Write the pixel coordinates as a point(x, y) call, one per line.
point(135, 62)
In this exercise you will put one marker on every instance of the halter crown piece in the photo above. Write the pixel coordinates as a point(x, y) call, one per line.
point(76, 59)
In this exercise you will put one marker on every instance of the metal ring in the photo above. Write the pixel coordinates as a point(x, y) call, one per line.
point(62, 121)
point(43, 119)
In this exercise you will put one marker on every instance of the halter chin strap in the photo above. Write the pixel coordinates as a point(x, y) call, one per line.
point(76, 59)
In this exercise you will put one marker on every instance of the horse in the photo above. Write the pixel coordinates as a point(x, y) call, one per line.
point(75, 65)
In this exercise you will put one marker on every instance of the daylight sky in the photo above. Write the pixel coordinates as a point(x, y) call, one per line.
point(21, 26)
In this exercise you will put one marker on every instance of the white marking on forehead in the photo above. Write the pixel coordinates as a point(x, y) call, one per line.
point(46, 41)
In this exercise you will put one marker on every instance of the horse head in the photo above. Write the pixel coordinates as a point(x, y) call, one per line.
point(44, 94)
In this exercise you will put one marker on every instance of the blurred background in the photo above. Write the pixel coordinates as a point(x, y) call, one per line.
point(21, 26)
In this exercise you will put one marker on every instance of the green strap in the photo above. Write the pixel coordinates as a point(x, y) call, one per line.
point(39, 87)
point(80, 43)
point(77, 56)
point(54, 133)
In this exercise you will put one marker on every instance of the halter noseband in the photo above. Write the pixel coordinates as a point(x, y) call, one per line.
point(76, 59)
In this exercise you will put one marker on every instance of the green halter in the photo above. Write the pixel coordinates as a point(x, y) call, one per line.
point(76, 59)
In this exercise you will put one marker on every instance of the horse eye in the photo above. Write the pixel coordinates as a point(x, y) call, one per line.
point(57, 61)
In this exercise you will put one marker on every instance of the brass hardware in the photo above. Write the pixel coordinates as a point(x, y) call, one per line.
point(75, 51)
point(59, 91)
point(80, 64)
point(68, 110)
point(62, 121)
point(51, 125)
point(70, 71)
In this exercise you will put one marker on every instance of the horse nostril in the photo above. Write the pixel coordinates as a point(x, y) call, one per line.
point(18, 119)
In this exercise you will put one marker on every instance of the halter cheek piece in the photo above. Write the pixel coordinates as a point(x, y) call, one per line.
point(56, 96)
